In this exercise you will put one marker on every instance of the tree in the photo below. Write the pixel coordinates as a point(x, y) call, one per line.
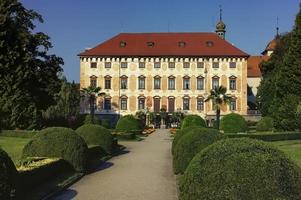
point(91, 93)
point(28, 74)
point(219, 98)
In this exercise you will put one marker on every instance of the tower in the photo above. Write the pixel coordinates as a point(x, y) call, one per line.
point(220, 26)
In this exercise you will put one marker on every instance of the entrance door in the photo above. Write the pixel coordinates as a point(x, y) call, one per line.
point(171, 104)
point(156, 104)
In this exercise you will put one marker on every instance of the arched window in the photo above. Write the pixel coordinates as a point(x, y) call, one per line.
point(171, 104)
point(93, 81)
point(156, 104)
point(232, 83)
point(141, 102)
point(141, 82)
point(107, 82)
point(215, 82)
point(232, 104)
point(186, 103)
point(123, 82)
point(200, 83)
point(186, 83)
point(123, 102)
point(107, 103)
point(171, 82)
point(157, 82)
point(200, 103)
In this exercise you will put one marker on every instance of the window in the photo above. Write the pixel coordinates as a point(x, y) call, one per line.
point(186, 103)
point(209, 44)
point(93, 81)
point(124, 65)
point(123, 82)
point(171, 83)
point(107, 65)
point(150, 44)
point(171, 104)
point(200, 103)
point(157, 64)
point(200, 65)
point(157, 82)
point(123, 103)
point(233, 104)
point(186, 65)
point(93, 65)
point(107, 104)
point(200, 83)
point(156, 104)
point(232, 83)
point(141, 82)
point(232, 64)
point(215, 65)
point(122, 44)
point(215, 82)
point(171, 65)
point(186, 83)
point(107, 82)
point(141, 64)
point(181, 44)
point(141, 103)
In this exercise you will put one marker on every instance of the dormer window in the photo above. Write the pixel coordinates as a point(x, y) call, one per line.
point(182, 44)
point(209, 44)
point(150, 44)
point(122, 44)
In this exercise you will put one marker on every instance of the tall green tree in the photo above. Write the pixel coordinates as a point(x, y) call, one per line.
point(91, 93)
point(28, 74)
point(219, 98)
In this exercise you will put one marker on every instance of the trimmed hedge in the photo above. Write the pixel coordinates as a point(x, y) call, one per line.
point(233, 123)
point(58, 142)
point(19, 134)
point(241, 169)
point(128, 124)
point(190, 144)
point(41, 170)
point(265, 124)
point(270, 137)
point(8, 175)
point(97, 135)
point(88, 120)
point(192, 120)
point(179, 134)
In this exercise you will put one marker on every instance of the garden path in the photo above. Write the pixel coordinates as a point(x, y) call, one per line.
point(144, 173)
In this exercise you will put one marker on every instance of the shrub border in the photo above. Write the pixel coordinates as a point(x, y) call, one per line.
point(269, 137)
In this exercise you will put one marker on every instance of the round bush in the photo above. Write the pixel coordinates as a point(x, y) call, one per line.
point(192, 120)
point(265, 124)
point(233, 123)
point(88, 120)
point(8, 175)
point(179, 134)
point(128, 123)
point(60, 143)
point(190, 144)
point(97, 135)
point(241, 169)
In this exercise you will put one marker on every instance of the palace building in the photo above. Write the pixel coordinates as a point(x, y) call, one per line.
point(173, 71)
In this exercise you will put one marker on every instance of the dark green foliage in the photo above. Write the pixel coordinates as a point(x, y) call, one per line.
point(58, 142)
point(269, 137)
point(190, 144)
point(88, 120)
point(241, 169)
point(28, 74)
point(18, 134)
point(128, 123)
point(193, 120)
point(29, 179)
point(97, 135)
point(8, 175)
point(265, 124)
point(233, 123)
point(106, 123)
point(180, 134)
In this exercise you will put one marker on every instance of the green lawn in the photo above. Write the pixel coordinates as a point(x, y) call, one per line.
point(13, 146)
point(292, 148)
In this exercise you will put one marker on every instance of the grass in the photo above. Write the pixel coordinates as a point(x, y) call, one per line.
point(292, 148)
point(13, 146)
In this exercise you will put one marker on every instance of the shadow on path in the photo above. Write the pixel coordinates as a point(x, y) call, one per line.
point(68, 195)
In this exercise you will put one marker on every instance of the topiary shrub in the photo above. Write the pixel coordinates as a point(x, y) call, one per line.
point(88, 120)
point(190, 144)
point(192, 120)
point(233, 123)
point(58, 142)
point(179, 134)
point(128, 123)
point(241, 169)
point(265, 124)
point(97, 135)
point(8, 175)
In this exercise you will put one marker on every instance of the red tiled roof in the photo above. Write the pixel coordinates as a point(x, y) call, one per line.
point(253, 65)
point(271, 45)
point(165, 44)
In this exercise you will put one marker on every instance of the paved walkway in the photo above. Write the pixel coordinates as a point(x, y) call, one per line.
point(144, 173)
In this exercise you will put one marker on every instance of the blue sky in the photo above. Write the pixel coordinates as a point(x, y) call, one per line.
point(76, 25)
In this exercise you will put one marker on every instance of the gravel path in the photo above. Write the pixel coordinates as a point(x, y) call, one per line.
point(144, 173)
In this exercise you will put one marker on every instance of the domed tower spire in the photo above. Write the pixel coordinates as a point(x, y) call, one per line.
point(220, 26)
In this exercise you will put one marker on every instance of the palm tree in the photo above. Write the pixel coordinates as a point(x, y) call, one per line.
point(92, 93)
point(219, 97)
